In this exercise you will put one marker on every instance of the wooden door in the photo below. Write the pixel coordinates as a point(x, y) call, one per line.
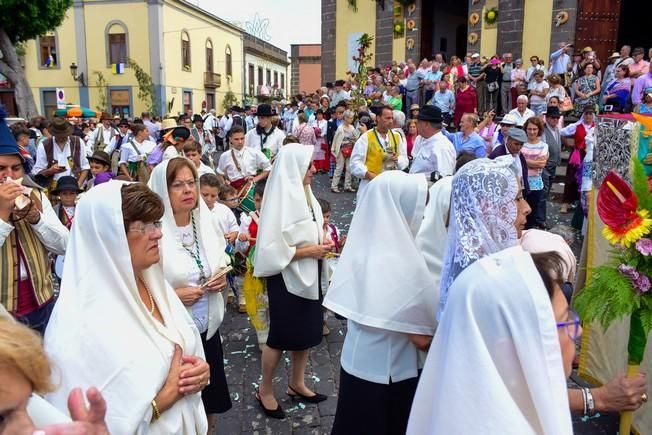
point(597, 26)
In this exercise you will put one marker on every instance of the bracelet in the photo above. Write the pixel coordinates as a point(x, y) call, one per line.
point(583, 390)
point(156, 412)
point(590, 403)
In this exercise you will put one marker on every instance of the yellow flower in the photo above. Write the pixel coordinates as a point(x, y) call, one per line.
point(627, 236)
point(397, 28)
point(491, 15)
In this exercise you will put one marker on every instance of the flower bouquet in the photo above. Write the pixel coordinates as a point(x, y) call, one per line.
point(623, 287)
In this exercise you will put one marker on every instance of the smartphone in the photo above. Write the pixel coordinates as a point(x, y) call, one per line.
point(220, 273)
point(608, 108)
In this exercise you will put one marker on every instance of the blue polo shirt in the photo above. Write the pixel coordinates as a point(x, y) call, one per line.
point(474, 143)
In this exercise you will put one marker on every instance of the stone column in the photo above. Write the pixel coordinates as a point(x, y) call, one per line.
point(384, 33)
point(564, 32)
point(510, 27)
point(328, 32)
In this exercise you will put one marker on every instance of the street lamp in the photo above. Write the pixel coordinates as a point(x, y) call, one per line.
point(78, 78)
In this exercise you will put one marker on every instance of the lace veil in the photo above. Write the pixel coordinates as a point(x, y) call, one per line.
point(482, 218)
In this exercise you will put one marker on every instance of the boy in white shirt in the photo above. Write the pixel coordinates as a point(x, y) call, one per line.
point(192, 151)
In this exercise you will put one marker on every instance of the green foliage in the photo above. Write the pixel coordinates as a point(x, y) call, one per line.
point(24, 20)
point(145, 87)
point(102, 99)
point(640, 186)
point(608, 296)
point(229, 100)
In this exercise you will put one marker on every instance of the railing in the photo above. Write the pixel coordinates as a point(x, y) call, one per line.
point(212, 80)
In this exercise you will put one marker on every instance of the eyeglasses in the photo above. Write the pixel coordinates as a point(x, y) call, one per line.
point(236, 199)
point(178, 185)
point(572, 325)
point(148, 228)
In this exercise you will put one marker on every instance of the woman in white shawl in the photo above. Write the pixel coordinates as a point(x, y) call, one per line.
point(193, 252)
point(118, 325)
point(384, 288)
point(289, 252)
point(513, 346)
point(488, 214)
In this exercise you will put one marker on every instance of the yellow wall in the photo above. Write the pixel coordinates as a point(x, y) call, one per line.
point(96, 17)
point(536, 29)
point(177, 18)
point(488, 38)
point(348, 21)
point(398, 48)
point(55, 77)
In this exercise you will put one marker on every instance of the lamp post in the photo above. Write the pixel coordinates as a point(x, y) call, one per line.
point(78, 78)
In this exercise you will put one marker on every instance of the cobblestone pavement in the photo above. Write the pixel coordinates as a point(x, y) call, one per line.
point(242, 363)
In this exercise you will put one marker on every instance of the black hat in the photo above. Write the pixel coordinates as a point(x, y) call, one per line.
point(553, 112)
point(181, 133)
point(66, 183)
point(264, 110)
point(588, 109)
point(237, 109)
point(101, 157)
point(430, 114)
point(339, 83)
point(197, 117)
point(123, 122)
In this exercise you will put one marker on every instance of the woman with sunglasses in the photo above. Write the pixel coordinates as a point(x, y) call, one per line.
point(193, 252)
point(118, 326)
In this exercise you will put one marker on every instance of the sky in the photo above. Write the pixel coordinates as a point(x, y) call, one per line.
point(290, 21)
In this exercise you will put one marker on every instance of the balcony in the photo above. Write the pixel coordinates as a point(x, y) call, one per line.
point(212, 80)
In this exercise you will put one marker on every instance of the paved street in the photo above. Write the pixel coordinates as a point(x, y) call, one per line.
point(242, 361)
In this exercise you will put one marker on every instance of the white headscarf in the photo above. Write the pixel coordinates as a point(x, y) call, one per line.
point(482, 216)
point(506, 375)
point(101, 334)
point(287, 223)
point(382, 279)
point(211, 241)
point(535, 241)
point(433, 234)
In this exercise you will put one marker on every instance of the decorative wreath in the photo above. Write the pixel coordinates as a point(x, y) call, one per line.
point(474, 18)
point(411, 24)
point(410, 44)
point(412, 8)
point(491, 16)
point(561, 18)
point(399, 28)
point(473, 38)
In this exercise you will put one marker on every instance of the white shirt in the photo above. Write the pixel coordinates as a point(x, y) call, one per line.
point(378, 355)
point(435, 153)
point(225, 218)
point(49, 230)
point(114, 142)
point(61, 156)
point(171, 152)
point(250, 161)
point(225, 124)
point(129, 154)
point(520, 120)
point(204, 169)
point(107, 136)
point(274, 141)
point(359, 158)
point(538, 87)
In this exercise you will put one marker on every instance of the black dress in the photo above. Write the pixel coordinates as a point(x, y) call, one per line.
point(215, 396)
point(295, 323)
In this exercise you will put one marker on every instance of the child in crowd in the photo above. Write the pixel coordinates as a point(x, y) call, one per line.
point(192, 151)
point(290, 138)
point(209, 187)
point(100, 163)
point(66, 191)
point(229, 197)
point(254, 288)
point(333, 234)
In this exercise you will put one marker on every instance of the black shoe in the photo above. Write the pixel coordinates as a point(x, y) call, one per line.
point(310, 399)
point(271, 413)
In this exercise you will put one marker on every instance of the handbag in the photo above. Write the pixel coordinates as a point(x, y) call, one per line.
point(492, 87)
point(346, 149)
point(566, 105)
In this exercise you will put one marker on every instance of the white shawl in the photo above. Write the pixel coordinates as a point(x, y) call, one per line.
point(495, 365)
point(101, 334)
point(287, 223)
point(381, 278)
point(211, 240)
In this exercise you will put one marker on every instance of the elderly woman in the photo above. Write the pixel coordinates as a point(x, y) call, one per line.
point(538, 89)
point(119, 326)
point(343, 142)
point(466, 100)
point(587, 88)
point(303, 131)
point(289, 252)
point(514, 332)
point(193, 252)
point(390, 322)
point(618, 91)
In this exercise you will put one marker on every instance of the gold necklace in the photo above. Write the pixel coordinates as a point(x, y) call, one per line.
point(149, 294)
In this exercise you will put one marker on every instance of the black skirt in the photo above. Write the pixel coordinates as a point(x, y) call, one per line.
point(295, 323)
point(215, 396)
point(365, 407)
